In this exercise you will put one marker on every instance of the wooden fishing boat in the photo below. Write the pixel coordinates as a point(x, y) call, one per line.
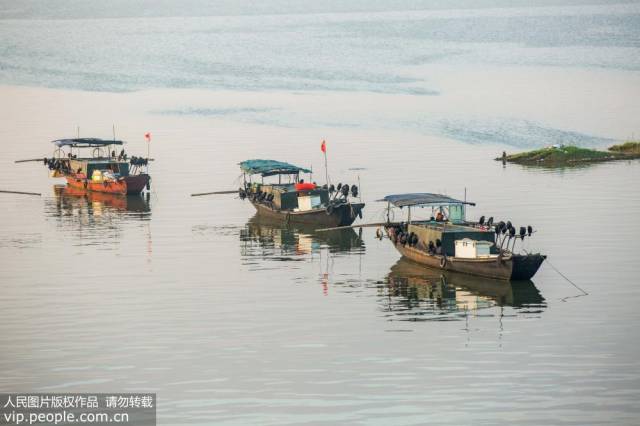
point(296, 201)
point(103, 171)
point(447, 241)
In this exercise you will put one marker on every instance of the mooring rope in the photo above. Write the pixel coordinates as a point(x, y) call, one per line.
point(567, 279)
point(584, 293)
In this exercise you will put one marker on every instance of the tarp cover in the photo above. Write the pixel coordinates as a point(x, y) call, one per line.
point(85, 142)
point(270, 167)
point(422, 198)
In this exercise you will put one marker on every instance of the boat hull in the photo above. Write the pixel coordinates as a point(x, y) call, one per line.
point(129, 185)
point(343, 215)
point(512, 268)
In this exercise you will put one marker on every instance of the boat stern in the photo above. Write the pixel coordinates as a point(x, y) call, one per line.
point(526, 266)
point(347, 213)
point(136, 183)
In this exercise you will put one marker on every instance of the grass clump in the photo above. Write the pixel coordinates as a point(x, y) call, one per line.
point(629, 147)
point(561, 155)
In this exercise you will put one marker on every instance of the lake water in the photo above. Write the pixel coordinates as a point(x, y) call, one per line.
point(235, 321)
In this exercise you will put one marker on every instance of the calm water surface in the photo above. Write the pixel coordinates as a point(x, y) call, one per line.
point(232, 320)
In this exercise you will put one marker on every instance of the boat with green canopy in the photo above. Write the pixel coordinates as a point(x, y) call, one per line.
point(292, 200)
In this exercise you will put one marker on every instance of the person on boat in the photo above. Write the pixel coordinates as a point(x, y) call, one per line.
point(440, 217)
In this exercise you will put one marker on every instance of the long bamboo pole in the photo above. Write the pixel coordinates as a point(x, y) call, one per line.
point(20, 192)
point(26, 161)
point(235, 191)
point(364, 225)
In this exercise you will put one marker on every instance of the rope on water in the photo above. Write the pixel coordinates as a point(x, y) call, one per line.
point(584, 293)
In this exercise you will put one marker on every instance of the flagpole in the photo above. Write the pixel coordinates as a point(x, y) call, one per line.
point(323, 147)
point(326, 170)
point(147, 136)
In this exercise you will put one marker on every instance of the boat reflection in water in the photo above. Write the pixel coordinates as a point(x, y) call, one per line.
point(266, 239)
point(70, 200)
point(413, 292)
point(97, 218)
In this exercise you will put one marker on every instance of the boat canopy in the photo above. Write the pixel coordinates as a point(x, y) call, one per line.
point(270, 168)
point(85, 142)
point(423, 199)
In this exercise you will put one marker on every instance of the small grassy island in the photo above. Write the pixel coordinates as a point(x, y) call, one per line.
point(561, 155)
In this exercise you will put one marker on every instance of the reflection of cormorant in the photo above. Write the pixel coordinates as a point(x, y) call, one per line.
point(414, 286)
point(297, 239)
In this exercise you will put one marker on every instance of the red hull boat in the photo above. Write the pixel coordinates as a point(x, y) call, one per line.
point(103, 171)
point(129, 185)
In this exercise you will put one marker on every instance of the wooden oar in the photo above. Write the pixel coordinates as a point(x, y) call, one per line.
point(215, 193)
point(20, 192)
point(363, 225)
point(26, 161)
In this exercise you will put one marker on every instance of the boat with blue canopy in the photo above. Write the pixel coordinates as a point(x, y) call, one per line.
point(448, 241)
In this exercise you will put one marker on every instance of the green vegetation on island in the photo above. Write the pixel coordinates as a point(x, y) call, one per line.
point(630, 147)
point(561, 155)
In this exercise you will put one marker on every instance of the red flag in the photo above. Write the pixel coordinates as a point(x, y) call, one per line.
point(323, 147)
point(147, 136)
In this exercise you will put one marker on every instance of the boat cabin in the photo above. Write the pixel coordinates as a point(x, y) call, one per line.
point(447, 229)
point(294, 194)
point(287, 197)
point(106, 156)
point(89, 166)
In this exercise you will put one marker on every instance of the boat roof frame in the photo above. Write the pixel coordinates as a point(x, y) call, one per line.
point(86, 142)
point(423, 199)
